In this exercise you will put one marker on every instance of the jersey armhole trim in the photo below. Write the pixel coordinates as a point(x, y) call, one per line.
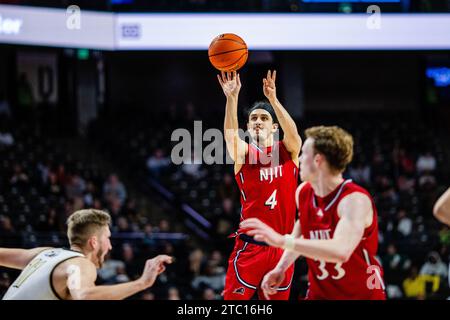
point(51, 275)
point(371, 206)
point(297, 194)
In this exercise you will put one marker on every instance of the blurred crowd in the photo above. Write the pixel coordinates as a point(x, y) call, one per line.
point(402, 163)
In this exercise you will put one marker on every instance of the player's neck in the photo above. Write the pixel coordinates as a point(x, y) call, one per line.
point(326, 183)
point(264, 143)
point(80, 250)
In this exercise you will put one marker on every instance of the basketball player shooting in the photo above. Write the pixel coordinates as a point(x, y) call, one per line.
point(337, 229)
point(70, 274)
point(267, 189)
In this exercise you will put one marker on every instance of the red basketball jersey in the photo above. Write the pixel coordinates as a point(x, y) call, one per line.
point(267, 182)
point(361, 277)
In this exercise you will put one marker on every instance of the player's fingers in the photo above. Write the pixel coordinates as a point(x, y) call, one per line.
point(259, 237)
point(266, 295)
point(274, 75)
point(224, 79)
point(163, 258)
point(238, 79)
point(220, 80)
point(268, 74)
point(234, 75)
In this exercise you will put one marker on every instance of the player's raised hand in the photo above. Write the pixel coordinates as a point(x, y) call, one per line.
point(269, 87)
point(230, 83)
point(153, 268)
point(262, 232)
point(271, 282)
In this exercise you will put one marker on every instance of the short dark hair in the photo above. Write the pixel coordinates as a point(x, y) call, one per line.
point(265, 106)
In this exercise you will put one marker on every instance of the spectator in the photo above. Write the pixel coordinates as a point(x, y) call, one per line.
point(173, 294)
point(148, 295)
point(405, 224)
point(164, 226)
point(19, 177)
point(123, 225)
point(394, 265)
point(6, 138)
point(427, 181)
point(110, 270)
point(406, 184)
point(75, 187)
point(192, 166)
point(90, 193)
point(158, 163)
point(426, 162)
point(434, 266)
point(415, 286)
point(133, 268)
point(114, 189)
point(209, 294)
point(53, 188)
point(360, 173)
point(212, 277)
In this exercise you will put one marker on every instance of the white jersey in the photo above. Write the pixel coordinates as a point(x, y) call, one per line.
point(35, 281)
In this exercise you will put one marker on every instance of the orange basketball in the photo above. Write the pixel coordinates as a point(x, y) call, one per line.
point(228, 52)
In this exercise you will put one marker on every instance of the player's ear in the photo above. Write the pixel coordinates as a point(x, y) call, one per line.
point(93, 242)
point(275, 127)
point(318, 158)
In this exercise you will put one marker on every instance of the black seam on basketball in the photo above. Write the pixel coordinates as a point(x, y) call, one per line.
point(218, 54)
point(233, 62)
point(232, 40)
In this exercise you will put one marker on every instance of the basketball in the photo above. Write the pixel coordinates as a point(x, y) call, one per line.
point(228, 52)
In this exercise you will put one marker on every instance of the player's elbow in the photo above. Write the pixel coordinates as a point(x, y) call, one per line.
point(82, 294)
point(343, 255)
point(342, 258)
point(440, 213)
point(437, 211)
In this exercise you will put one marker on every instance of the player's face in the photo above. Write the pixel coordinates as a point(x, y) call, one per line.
point(308, 165)
point(104, 246)
point(260, 125)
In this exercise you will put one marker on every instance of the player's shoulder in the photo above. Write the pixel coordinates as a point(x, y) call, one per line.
point(80, 261)
point(354, 193)
point(352, 187)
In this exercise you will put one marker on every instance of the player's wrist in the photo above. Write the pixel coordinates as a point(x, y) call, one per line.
point(273, 100)
point(288, 242)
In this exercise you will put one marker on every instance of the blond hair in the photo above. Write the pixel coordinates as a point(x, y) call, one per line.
point(82, 224)
point(334, 143)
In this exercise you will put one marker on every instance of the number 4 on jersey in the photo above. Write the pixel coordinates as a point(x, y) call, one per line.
point(272, 201)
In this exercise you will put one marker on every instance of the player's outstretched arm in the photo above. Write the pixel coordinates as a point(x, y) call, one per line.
point(274, 278)
point(354, 210)
point(18, 258)
point(289, 256)
point(231, 85)
point(84, 288)
point(441, 208)
point(292, 139)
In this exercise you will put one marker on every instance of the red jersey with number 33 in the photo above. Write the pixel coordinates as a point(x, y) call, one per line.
point(361, 277)
point(267, 182)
